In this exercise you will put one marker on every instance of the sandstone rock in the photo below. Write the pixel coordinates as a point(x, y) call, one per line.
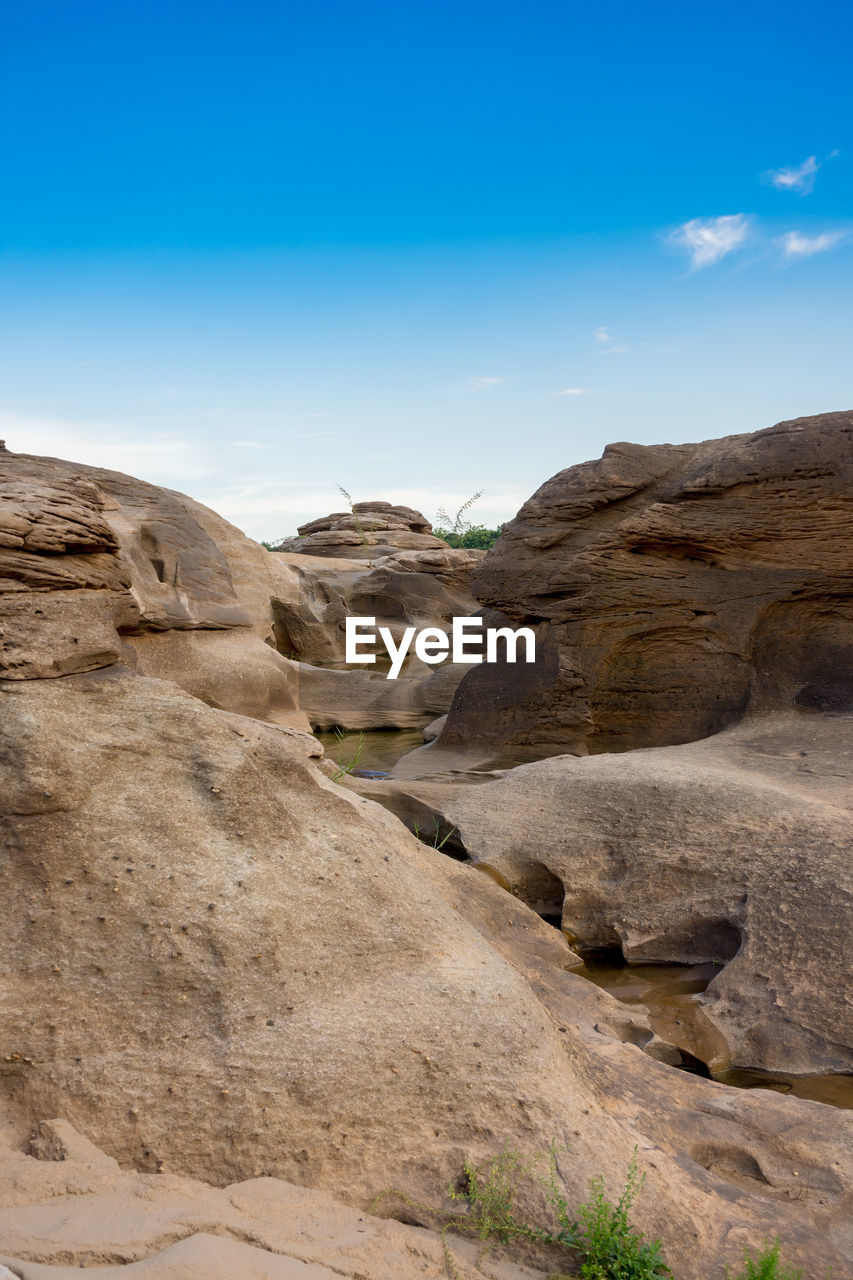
point(434, 728)
point(418, 589)
point(735, 849)
point(410, 589)
point(164, 1227)
point(370, 530)
point(241, 969)
point(98, 567)
point(58, 1140)
point(671, 587)
point(218, 944)
point(63, 587)
point(360, 699)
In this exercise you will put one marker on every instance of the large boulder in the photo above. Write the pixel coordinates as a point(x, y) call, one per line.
point(735, 849)
point(69, 1205)
point(97, 567)
point(671, 587)
point(367, 531)
point(408, 589)
point(266, 975)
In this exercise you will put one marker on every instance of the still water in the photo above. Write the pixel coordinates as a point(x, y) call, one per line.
point(671, 994)
point(374, 750)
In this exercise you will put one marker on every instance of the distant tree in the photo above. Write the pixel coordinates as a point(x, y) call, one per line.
point(460, 532)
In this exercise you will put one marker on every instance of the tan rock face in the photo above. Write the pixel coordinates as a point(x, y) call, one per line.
point(72, 1207)
point(239, 969)
point(96, 567)
point(63, 586)
point(736, 849)
point(671, 587)
point(370, 530)
point(407, 589)
point(220, 942)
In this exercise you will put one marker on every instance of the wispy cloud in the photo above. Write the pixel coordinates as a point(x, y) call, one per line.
point(800, 178)
point(607, 347)
point(708, 240)
point(316, 435)
point(101, 444)
point(248, 444)
point(482, 384)
point(572, 391)
point(796, 245)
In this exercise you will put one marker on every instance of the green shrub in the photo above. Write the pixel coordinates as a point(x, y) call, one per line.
point(457, 531)
point(601, 1239)
point(476, 538)
point(346, 766)
point(765, 1265)
point(610, 1247)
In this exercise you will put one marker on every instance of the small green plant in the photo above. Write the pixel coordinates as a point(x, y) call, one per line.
point(601, 1237)
point(359, 524)
point(457, 531)
point(456, 526)
point(610, 1247)
point(765, 1265)
point(346, 766)
point(489, 1190)
point(434, 843)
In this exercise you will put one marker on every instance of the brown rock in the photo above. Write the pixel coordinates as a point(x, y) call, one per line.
point(239, 967)
point(736, 849)
point(370, 530)
point(98, 567)
point(85, 1212)
point(671, 587)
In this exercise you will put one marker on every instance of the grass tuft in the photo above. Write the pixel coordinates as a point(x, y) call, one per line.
point(765, 1265)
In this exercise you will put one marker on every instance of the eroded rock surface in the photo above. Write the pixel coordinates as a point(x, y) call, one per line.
point(76, 1209)
point(735, 849)
point(672, 587)
point(97, 567)
point(371, 529)
point(218, 963)
point(240, 969)
point(411, 589)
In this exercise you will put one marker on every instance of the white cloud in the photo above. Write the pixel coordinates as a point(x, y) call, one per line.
point(708, 240)
point(316, 435)
point(572, 391)
point(800, 178)
point(483, 384)
point(796, 245)
point(248, 444)
point(605, 337)
point(100, 444)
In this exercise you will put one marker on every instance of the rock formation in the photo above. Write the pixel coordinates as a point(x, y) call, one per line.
point(96, 566)
point(672, 587)
point(124, 569)
point(736, 849)
point(69, 1206)
point(220, 964)
point(407, 589)
point(370, 530)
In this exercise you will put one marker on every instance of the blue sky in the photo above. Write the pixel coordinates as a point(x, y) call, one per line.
point(419, 250)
